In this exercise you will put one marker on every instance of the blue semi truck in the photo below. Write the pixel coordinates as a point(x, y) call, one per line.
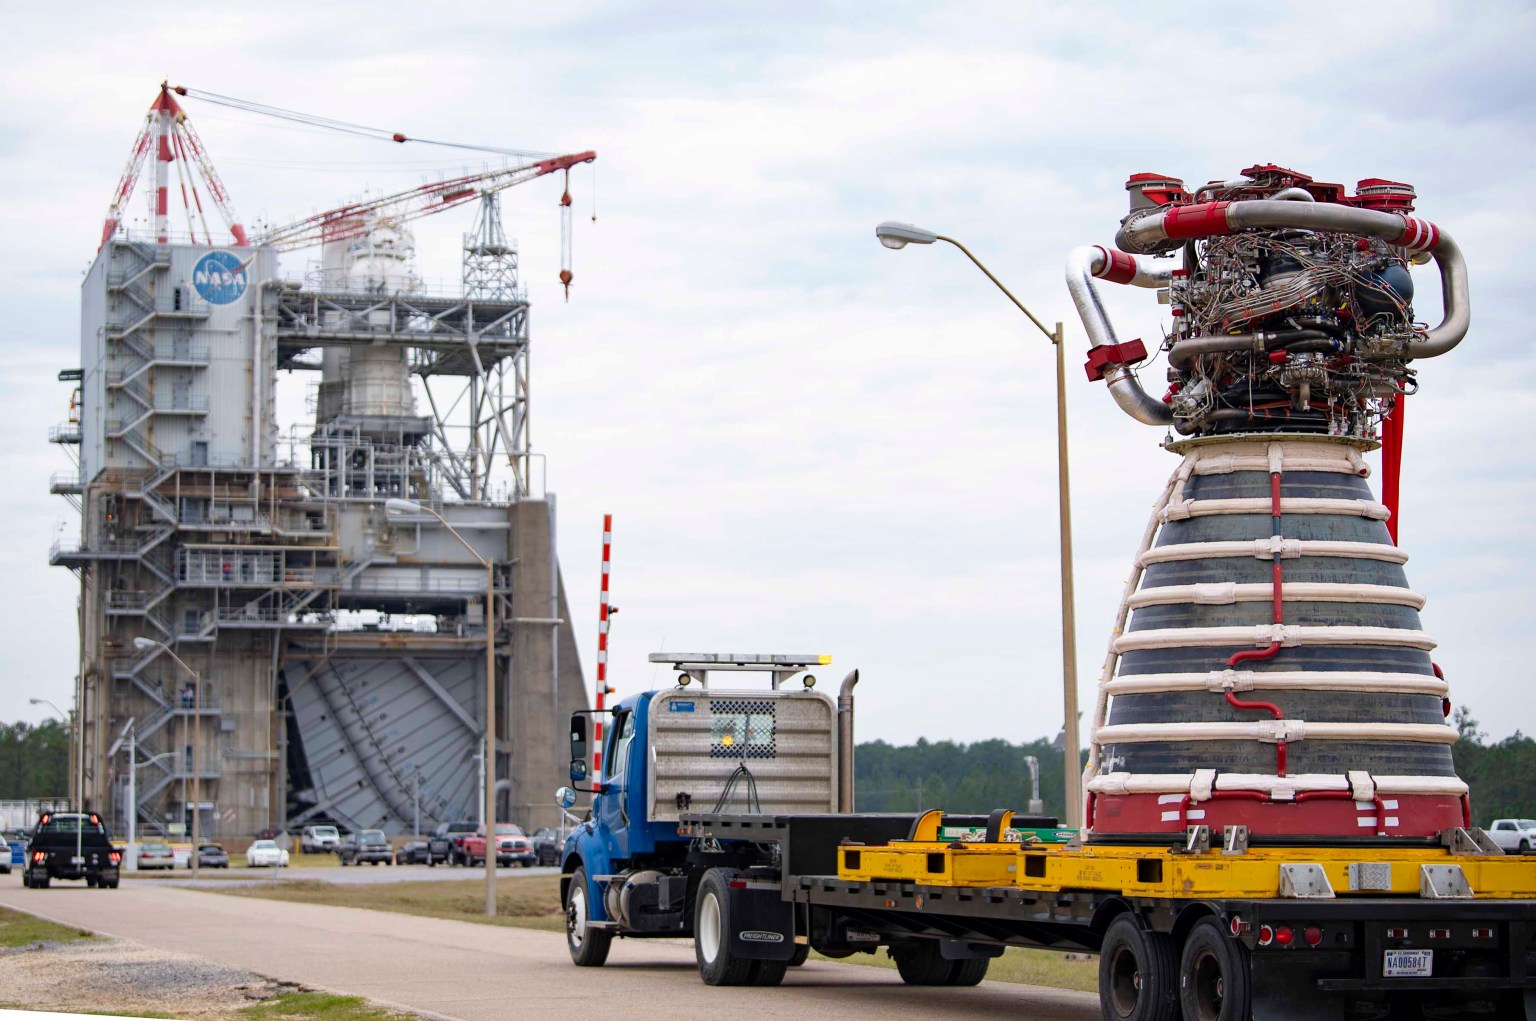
point(726, 816)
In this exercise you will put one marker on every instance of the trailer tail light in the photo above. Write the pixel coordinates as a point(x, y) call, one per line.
point(38, 857)
point(1266, 935)
point(1439, 934)
point(1284, 936)
point(1397, 934)
point(1313, 935)
point(115, 857)
point(1482, 934)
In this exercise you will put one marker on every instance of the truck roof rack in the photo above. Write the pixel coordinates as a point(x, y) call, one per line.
point(697, 665)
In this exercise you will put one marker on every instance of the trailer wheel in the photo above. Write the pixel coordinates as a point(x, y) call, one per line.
point(1213, 975)
point(711, 934)
point(801, 953)
point(1138, 973)
point(968, 972)
point(920, 964)
point(589, 947)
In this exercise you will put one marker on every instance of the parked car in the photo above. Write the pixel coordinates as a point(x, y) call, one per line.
point(265, 854)
point(512, 846)
point(319, 839)
point(154, 854)
point(448, 841)
point(413, 852)
point(370, 846)
point(547, 843)
point(212, 856)
point(1518, 835)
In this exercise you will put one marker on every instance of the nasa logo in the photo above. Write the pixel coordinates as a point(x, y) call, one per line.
point(219, 277)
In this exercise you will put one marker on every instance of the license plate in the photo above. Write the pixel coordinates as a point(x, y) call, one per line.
point(1408, 964)
point(76, 860)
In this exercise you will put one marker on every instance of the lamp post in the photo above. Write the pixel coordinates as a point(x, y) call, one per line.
point(77, 736)
point(899, 235)
point(144, 645)
point(397, 508)
point(134, 765)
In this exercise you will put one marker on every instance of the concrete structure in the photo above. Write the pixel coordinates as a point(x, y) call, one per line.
point(340, 653)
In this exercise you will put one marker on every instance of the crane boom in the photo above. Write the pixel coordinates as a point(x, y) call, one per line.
point(352, 220)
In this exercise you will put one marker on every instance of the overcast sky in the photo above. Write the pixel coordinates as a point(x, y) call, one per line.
point(808, 442)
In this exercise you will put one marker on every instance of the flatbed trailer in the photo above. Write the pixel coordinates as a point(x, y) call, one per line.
point(1332, 964)
point(1207, 927)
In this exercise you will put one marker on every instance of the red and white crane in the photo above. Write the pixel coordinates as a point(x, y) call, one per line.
point(168, 133)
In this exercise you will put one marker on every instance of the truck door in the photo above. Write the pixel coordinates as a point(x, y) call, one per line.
point(612, 812)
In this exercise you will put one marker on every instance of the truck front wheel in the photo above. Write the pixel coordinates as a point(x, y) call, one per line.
point(588, 946)
point(1213, 975)
point(1138, 973)
point(711, 934)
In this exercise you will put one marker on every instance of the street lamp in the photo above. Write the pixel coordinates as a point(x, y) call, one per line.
point(144, 645)
point(77, 735)
point(898, 235)
point(397, 508)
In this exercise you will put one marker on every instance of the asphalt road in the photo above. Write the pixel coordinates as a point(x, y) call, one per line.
point(473, 972)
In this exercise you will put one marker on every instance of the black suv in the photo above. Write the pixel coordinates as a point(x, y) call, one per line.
point(370, 846)
point(447, 842)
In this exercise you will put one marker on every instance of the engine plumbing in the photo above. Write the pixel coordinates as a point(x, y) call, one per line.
point(1291, 302)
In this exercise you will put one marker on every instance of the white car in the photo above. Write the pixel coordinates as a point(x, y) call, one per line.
point(265, 853)
point(1517, 835)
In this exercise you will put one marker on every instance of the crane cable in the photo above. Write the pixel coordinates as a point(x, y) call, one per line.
point(346, 127)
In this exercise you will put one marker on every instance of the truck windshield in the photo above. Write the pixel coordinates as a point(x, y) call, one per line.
point(1528, 824)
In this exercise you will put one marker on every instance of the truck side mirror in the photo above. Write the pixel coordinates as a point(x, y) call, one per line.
point(565, 797)
point(578, 770)
point(578, 741)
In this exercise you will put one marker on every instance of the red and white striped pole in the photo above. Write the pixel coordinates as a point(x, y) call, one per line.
point(602, 648)
point(165, 111)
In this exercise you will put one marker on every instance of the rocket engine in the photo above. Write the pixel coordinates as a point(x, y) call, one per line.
point(1268, 669)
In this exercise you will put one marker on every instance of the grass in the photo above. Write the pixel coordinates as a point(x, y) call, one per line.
point(311, 1006)
point(19, 930)
point(531, 902)
point(1020, 965)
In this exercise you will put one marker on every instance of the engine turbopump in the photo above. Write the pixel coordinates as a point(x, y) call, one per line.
point(1268, 669)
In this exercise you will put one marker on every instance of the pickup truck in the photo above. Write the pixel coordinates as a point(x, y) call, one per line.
point(1516, 835)
point(447, 841)
point(512, 846)
point(71, 845)
point(370, 846)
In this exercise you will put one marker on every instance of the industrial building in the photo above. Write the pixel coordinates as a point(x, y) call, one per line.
point(310, 656)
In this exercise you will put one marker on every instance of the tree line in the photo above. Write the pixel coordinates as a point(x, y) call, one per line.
point(976, 778)
point(34, 760)
point(961, 778)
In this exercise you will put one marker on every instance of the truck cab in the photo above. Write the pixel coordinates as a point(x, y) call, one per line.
point(698, 746)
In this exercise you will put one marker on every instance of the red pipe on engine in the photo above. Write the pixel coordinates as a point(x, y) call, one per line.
point(1278, 615)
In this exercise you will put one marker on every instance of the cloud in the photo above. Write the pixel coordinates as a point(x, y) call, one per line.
point(811, 443)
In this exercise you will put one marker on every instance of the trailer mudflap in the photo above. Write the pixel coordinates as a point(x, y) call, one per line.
point(762, 922)
point(1284, 987)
